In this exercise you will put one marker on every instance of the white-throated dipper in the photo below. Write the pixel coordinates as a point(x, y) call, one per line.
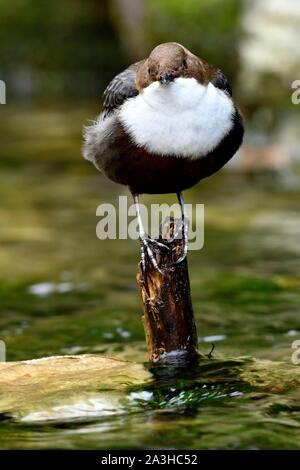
point(168, 121)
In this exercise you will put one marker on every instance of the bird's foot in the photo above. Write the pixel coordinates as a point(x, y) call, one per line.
point(184, 231)
point(146, 250)
point(157, 243)
point(172, 230)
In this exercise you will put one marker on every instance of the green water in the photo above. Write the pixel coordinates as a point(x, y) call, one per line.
point(245, 285)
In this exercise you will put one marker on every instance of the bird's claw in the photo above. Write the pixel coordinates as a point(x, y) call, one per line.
point(179, 260)
point(146, 242)
point(156, 242)
point(147, 249)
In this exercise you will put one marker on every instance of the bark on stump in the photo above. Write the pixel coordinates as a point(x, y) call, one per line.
point(168, 317)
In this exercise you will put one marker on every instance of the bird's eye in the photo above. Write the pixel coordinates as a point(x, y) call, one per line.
point(184, 63)
point(149, 71)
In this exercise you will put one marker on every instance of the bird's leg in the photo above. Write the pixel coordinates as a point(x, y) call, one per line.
point(185, 228)
point(145, 239)
point(142, 231)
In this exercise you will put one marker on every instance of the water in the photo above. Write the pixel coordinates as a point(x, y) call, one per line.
point(63, 291)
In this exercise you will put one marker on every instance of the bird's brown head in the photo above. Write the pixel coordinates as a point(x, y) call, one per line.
point(167, 62)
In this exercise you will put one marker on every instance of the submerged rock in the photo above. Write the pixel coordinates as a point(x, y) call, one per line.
point(64, 388)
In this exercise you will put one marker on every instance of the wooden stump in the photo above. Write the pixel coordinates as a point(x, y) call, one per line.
point(168, 318)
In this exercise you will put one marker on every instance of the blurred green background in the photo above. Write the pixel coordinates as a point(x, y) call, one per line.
point(64, 291)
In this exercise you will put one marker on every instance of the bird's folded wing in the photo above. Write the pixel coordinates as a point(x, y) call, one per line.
point(219, 80)
point(120, 89)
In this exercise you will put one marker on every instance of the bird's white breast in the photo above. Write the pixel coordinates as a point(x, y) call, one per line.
point(183, 118)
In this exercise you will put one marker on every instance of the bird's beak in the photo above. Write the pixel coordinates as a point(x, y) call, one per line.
point(166, 78)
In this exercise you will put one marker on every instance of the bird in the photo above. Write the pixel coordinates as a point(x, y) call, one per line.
point(168, 121)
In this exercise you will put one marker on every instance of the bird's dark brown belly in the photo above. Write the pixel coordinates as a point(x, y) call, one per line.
point(156, 174)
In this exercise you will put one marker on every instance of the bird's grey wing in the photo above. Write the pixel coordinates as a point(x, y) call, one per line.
point(120, 89)
point(100, 137)
point(219, 80)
